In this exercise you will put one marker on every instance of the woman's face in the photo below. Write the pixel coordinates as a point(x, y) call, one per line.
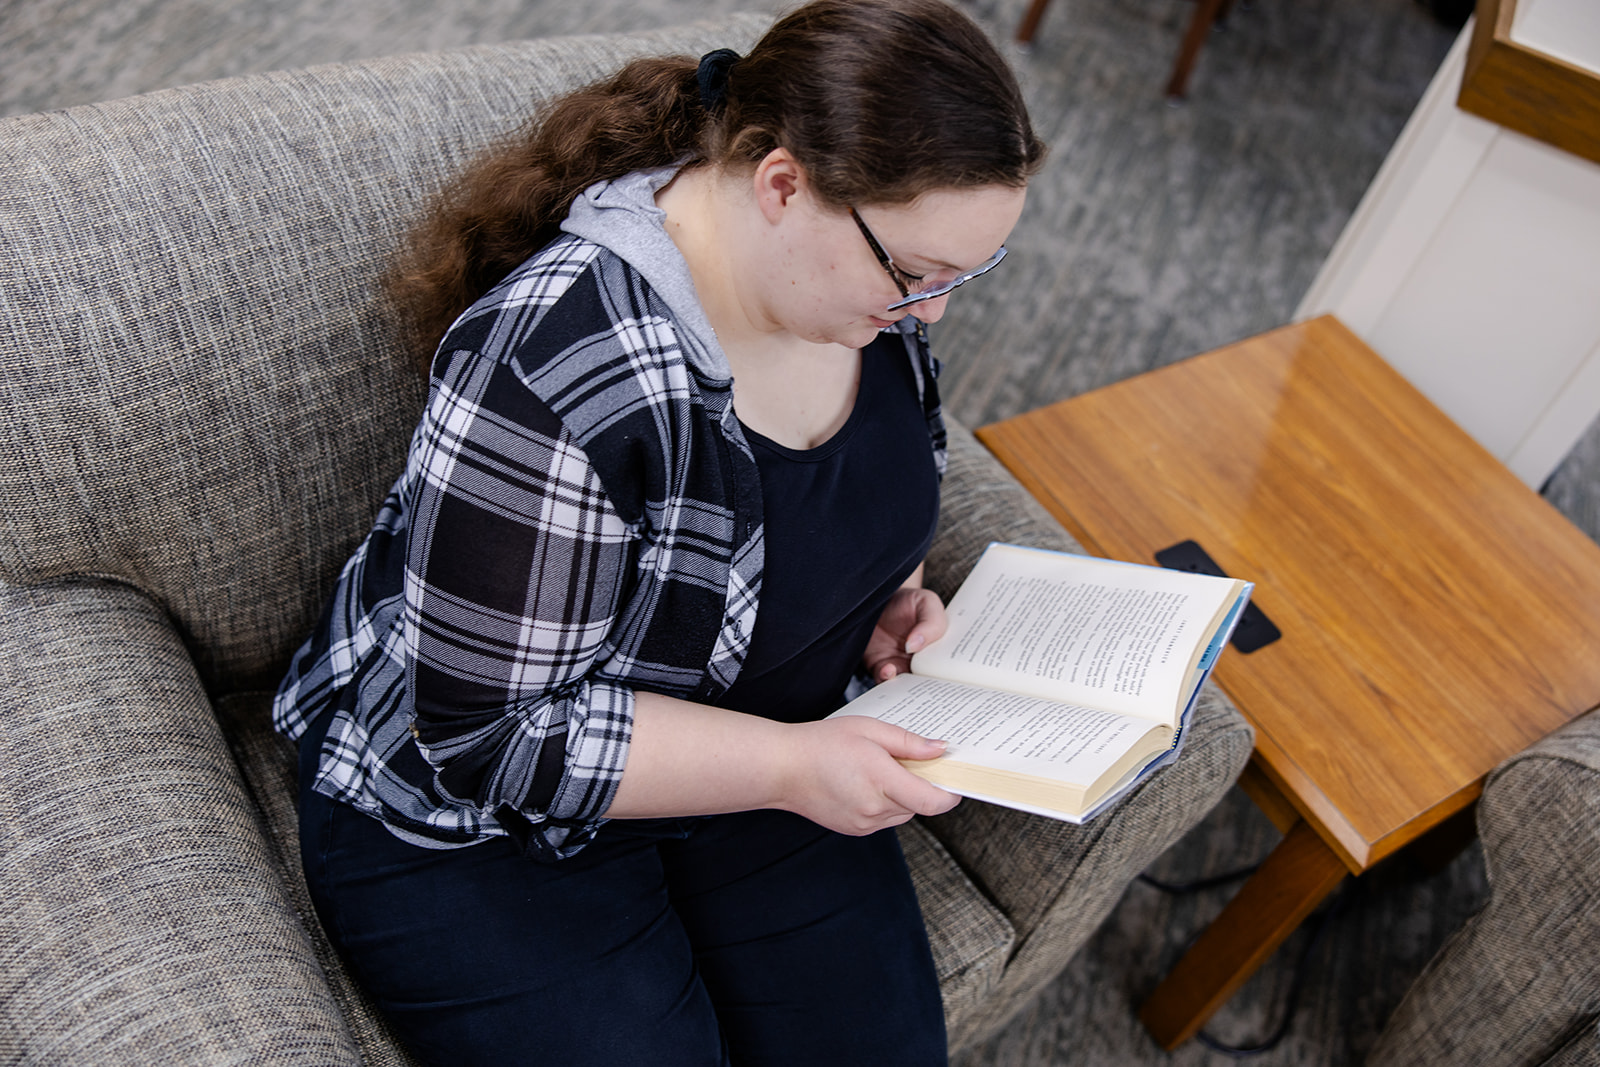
point(830, 286)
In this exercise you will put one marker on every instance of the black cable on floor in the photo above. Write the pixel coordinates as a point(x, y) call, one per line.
point(1295, 984)
point(1203, 883)
point(1301, 968)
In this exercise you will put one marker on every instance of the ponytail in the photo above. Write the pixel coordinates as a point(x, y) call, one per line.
point(880, 100)
point(510, 202)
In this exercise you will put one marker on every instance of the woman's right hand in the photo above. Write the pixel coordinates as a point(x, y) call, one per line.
point(842, 774)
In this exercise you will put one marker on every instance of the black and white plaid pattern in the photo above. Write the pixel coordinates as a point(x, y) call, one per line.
point(579, 516)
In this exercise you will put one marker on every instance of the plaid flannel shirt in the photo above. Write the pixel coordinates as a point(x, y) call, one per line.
point(579, 516)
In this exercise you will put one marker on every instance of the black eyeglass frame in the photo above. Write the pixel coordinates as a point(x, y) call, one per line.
point(896, 274)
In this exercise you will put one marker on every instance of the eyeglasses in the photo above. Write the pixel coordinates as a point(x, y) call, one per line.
point(909, 293)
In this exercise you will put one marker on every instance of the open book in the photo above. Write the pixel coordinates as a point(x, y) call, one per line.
point(1062, 678)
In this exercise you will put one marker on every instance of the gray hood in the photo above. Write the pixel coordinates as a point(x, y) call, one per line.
point(622, 216)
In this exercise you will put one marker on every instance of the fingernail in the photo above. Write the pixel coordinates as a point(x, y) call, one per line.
point(887, 672)
point(915, 642)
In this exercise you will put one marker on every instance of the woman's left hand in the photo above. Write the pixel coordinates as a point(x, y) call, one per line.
point(914, 617)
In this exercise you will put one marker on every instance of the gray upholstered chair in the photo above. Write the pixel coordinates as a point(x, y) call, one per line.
point(202, 402)
point(1519, 984)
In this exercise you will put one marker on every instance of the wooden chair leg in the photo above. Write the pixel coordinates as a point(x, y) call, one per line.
point(1205, 13)
point(1030, 22)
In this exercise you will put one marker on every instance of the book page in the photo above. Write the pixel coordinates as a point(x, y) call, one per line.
point(1078, 629)
point(1006, 731)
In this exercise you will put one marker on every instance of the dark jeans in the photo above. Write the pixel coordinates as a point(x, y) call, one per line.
point(752, 938)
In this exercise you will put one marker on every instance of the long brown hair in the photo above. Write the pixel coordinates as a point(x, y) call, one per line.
point(879, 100)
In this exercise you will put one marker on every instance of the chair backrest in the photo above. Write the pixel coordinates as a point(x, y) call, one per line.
point(200, 392)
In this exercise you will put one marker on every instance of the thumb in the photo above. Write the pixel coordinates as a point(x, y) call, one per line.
point(903, 744)
point(931, 623)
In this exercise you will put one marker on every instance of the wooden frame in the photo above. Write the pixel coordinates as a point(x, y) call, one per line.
point(1523, 89)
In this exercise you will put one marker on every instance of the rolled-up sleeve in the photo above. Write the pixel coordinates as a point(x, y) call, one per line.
point(515, 572)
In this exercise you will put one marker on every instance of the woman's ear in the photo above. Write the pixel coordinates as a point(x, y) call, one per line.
point(778, 180)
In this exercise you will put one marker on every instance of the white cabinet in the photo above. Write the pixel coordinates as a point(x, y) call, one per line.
point(1473, 263)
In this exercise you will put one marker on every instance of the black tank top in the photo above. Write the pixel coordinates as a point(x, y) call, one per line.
point(845, 524)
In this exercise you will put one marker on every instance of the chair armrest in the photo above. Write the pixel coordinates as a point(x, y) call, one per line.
point(143, 923)
point(1056, 882)
point(981, 502)
point(1517, 983)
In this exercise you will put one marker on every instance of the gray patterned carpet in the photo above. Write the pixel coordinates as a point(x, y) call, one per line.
point(1154, 233)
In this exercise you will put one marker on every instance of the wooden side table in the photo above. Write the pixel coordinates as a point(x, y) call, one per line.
point(1437, 615)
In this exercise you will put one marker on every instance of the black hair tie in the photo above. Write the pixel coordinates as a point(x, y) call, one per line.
point(713, 76)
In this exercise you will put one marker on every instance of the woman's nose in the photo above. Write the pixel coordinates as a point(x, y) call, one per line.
point(930, 311)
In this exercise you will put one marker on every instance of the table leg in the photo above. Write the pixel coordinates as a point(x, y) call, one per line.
point(1030, 21)
point(1205, 13)
point(1287, 887)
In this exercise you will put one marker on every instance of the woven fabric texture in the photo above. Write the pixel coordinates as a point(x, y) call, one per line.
point(267, 759)
point(204, 395)
point(1583, 1050)
point(203, 404)
point(143, 922)
point(1518, 984)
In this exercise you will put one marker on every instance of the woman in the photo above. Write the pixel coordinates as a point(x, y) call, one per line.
point(567, 791)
